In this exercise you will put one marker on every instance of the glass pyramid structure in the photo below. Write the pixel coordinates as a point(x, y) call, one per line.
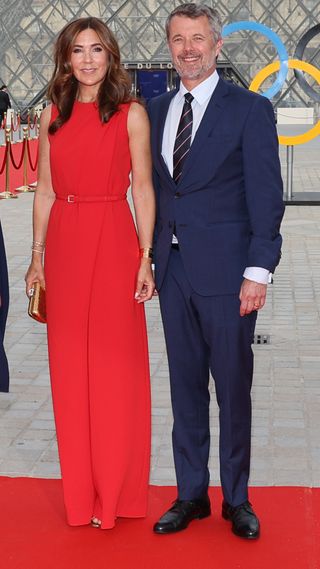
point(28, 29)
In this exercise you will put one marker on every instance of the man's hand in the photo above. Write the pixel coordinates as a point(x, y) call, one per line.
point(252, 296)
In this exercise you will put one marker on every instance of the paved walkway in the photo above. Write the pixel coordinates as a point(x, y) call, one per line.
point(286, 391)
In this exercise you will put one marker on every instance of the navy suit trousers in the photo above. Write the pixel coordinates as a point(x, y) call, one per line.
point(206, 333)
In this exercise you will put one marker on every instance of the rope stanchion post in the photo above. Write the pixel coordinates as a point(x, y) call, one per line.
point(15, 123)
point(289, 172)
point(33, 166)
point(28, 122)
point(36, 125)
point(20, 125)
point(7, 194)
point(25, 186)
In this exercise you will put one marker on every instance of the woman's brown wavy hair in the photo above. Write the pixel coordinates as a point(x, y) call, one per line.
point(63, 87)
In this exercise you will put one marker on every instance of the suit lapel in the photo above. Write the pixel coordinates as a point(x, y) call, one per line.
point(209, 120)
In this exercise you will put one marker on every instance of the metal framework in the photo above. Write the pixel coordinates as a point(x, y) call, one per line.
point(29, 27)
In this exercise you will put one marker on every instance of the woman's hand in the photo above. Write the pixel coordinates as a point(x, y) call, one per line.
point(145, 283)
point(35, 273)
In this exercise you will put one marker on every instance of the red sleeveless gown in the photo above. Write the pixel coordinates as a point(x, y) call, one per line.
point(97, 341)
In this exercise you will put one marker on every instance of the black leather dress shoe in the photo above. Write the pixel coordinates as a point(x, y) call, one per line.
point(181, 514)
point(244, 521)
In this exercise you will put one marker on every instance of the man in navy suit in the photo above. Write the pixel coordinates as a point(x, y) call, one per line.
point(219, 194)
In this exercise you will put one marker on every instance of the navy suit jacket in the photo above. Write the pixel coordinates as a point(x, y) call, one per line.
point(227, 206)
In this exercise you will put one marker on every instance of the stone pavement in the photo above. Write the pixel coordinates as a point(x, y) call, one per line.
point(286, 391)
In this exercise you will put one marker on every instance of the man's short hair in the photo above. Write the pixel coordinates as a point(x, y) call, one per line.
point(3, 87)
point(192, 10)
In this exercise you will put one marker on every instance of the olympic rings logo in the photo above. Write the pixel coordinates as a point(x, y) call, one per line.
point(282, 67)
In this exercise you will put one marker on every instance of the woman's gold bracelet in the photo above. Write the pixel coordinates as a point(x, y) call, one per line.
point(146, 253)
point(37, 246)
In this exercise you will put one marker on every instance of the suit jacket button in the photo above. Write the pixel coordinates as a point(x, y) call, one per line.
point(177, 195)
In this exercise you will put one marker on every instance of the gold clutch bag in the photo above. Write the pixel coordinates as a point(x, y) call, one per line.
point(37, 303)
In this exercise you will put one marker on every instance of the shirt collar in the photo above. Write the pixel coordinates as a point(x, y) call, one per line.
point(203, 91)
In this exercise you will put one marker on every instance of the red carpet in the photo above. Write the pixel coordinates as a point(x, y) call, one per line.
point(34, 534)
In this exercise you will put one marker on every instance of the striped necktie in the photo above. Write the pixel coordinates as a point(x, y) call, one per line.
point(183, 138)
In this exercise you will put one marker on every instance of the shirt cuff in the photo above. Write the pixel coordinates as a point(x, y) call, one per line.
point(258, 275)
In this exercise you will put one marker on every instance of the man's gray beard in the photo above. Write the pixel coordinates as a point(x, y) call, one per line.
point(197, 73)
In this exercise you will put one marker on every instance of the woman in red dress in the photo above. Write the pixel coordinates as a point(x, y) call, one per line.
point(97, 274)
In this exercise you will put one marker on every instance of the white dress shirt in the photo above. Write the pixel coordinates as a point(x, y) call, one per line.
point(202, 94)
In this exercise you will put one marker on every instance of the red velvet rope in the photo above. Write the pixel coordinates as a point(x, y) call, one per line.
point(17, 166)
point(32, 166)
point(4, 158)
